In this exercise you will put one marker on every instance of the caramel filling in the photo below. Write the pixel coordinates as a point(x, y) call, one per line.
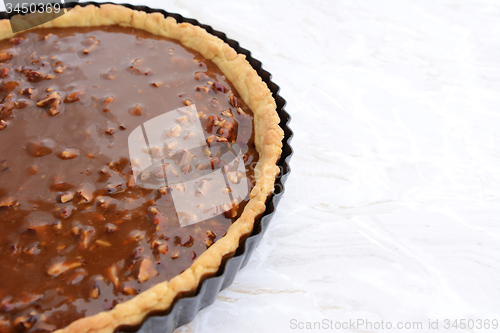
point(78, 235)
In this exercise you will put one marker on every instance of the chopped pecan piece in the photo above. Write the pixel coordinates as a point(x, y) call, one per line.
point(146, 270)
point(127, 290)
point(186, 157)
point(6, 109)
point(5, 56)
point(227, 113)
point(24, 323)
point(95, 292)
point(230, 211)
point(131, 181)
point(187, 111)
point(75, 230)
point(28, 92)
point(134, 68)
point(224, 132)
point(189, 136)
point(66, 197)
point(37, 149)
point(157, 152)
point(7, 202)
point(163, 190)
point(16, 40)
point(219, 87)
point(137, 253)
point(183, 120)
point(59, 268)
point(110, 228)
point(160, 171)
point(9, 86)
point(135, 110)
point(211, 120)
point(202, 188)
point(243, 114)
point(186, 168)
point(234, 101)
point(179, 187)
point(170, 171)
point(86, 192)
point(186, 243)
point(4, 72)
point(3, 124)
point(89, 41)
point(33, 170)
point(175, 131)
point(204, 165)
point(110, 131)
point(233, 178)
point(217, 163)
point(205, 89)
point(119, 165)
point(109, 75)
point(47, 36)
point(7, 304)
point(171, 147)
point(7, 101)
point(108, 99)
point(210, 238)
point(64, 212)
point(35, 76)
point(112, 275)
point(163, 248)
point(86, 237)
point(76, 277)
point(73, 97)
point(198, 76)
point(69, 154)
point(60, 69)
point(53, 101)
point(97, 217)
point(215, 138)
point(159, 246)
point(21, 104)
point(135, 236)
point(220, 123)
point(92, 47)
point(60, 186)
point(159, 220)
point(103, 243)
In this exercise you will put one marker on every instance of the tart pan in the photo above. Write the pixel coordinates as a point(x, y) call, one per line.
point(185, 308)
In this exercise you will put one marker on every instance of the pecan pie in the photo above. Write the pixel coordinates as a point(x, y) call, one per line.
point(102, 166)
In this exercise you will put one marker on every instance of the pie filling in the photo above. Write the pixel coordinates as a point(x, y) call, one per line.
point(78, 233)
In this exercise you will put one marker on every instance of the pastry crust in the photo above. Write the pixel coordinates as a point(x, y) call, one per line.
point(268, 142)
